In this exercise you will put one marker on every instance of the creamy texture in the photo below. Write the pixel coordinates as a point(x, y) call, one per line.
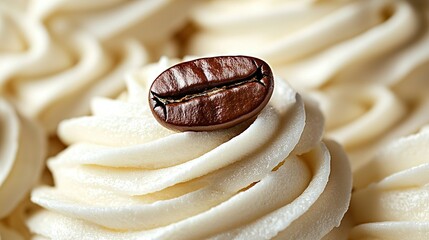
point(124, 176)
point(365, 61)
point(112, 21)
point(365, 119)
point(22, 145)
point(295, 36)
point(56, 55)
point(391, 202)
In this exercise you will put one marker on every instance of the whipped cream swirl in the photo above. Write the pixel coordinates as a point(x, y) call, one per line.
point(365, 61)
point(124, 176)
point(364, 119)
point(391, 202)
point(22, 145)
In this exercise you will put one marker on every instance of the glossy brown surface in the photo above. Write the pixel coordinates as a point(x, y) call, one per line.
point(211, 93)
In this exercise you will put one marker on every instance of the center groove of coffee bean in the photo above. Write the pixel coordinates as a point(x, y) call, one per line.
point(256, 77)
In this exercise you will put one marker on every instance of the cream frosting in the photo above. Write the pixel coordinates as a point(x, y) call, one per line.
point(391, 201)
point(124, 176)
point(366, 62)
point(297, 36)
point(365, 119)
point(22, 154)
point(151, 22)
point(57, 55)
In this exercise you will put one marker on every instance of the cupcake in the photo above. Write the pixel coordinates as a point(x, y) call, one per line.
point(391, 201)
point(21, 162)
point(124, 176)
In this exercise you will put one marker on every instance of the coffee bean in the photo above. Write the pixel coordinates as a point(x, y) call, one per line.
point(211, 93)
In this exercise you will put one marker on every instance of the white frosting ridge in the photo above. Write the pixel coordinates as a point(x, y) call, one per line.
point(121, 179)
point(22, 145)
point(23, 149)
point(53, 98)
point(150, 21)
point(391, 201)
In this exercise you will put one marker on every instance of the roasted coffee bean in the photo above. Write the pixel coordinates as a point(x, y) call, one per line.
point(211, 93)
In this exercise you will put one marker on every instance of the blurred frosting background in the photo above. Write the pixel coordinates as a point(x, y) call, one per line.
point(365, 62)
point(57, 55)
point(390, 201)
point(22, 156)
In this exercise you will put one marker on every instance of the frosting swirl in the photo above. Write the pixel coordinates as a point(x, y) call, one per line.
point(22, 153)
point(366, 118)
point(391, 201)
point(364, 61)
point(126, 177)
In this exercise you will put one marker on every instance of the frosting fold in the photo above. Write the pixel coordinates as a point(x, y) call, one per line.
point(393, 197)
point(22, 145)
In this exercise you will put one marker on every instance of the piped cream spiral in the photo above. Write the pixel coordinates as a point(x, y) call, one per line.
point(126, 177)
